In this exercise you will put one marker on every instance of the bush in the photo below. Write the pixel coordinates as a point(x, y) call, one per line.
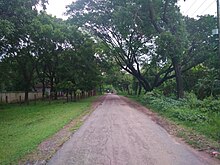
point(192, 101)
point(160, 102)
point(154, 100)
point(211, 105)
point(201, 116)
point(188, 115)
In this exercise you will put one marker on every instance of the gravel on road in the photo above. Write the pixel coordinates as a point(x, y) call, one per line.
point(117, 134)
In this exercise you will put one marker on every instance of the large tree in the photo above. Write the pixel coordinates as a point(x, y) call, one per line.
point(147, 38)
point(130, 29)
point(46, 50)
point(204, 78)
point(15, 37)
point(15, 16)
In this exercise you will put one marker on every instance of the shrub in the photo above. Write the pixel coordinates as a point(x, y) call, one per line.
point(192, 101)
point(160, 102)
point(202, 116)
point(188, 115)
point(211, 105)
point(188, 109)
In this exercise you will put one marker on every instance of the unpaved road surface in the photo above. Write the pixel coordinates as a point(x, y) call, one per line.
point(117, 134)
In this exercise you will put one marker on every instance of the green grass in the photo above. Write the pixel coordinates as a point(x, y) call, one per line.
point(23, 127)
point(199, 116)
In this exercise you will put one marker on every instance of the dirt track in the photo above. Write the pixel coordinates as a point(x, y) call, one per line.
point(118, 134)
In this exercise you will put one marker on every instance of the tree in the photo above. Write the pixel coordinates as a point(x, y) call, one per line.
point(15, 42)
point(79, 66)
point(15, 16)
point(130, 30)
point(50, 51)
point(203, 78)
point(147, 38)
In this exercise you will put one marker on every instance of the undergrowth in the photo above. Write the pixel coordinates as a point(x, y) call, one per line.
point(201, 116)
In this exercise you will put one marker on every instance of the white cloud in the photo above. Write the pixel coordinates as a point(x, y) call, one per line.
point(58, 7)
point(188, 7)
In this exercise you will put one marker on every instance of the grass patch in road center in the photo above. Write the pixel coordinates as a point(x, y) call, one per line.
point(23, 127)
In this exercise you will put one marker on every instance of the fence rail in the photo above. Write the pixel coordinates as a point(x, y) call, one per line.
point(15, 97)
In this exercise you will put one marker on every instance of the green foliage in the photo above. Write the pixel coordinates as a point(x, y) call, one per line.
point(160, 102)
point(125, 27)
point(211, 105)
point(6, 27)
point(23, 127)
point(202, 116)
point(154, 46)
point(192, 101)
point(66, 86)
point(185, 115)
point(50, 52)
point(175, 43)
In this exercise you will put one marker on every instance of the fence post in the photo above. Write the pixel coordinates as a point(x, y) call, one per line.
point(6, 99)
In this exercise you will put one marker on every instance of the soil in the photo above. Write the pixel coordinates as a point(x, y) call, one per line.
point(196, 140)
point(117, 134)
point(48, 148)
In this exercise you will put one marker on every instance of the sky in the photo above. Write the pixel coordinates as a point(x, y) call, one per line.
point(58, 7)
point(191, 8)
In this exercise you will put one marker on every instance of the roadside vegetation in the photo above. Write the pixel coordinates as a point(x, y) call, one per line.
point(23, 127)
point(200, 118)
point(144, 48)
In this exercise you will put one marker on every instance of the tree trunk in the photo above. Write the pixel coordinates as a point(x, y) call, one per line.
point(55, 95)
point(145, 84)
point(27, 79)
point(179, 79)
point(71, 96)
point(100, 89)
point(127, 89)
point(43, 89)
point(135, 87)
point(83, 94)
point(26, 96)
point(139, 89)
point(51, 88)
point(67, 98)
point(74, 95)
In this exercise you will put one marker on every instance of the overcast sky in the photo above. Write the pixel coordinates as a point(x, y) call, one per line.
point(189, 7)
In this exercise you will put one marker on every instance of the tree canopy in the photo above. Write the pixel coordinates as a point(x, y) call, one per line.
point(141, 44)
point(151, 40)
point(37, 48)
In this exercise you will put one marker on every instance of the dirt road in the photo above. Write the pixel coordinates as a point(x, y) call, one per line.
point(117, 134)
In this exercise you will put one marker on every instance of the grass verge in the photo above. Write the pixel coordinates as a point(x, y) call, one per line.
point(23, 127)
point(199, 122)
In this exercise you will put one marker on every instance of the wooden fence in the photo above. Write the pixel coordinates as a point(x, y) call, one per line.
point(15, 97)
